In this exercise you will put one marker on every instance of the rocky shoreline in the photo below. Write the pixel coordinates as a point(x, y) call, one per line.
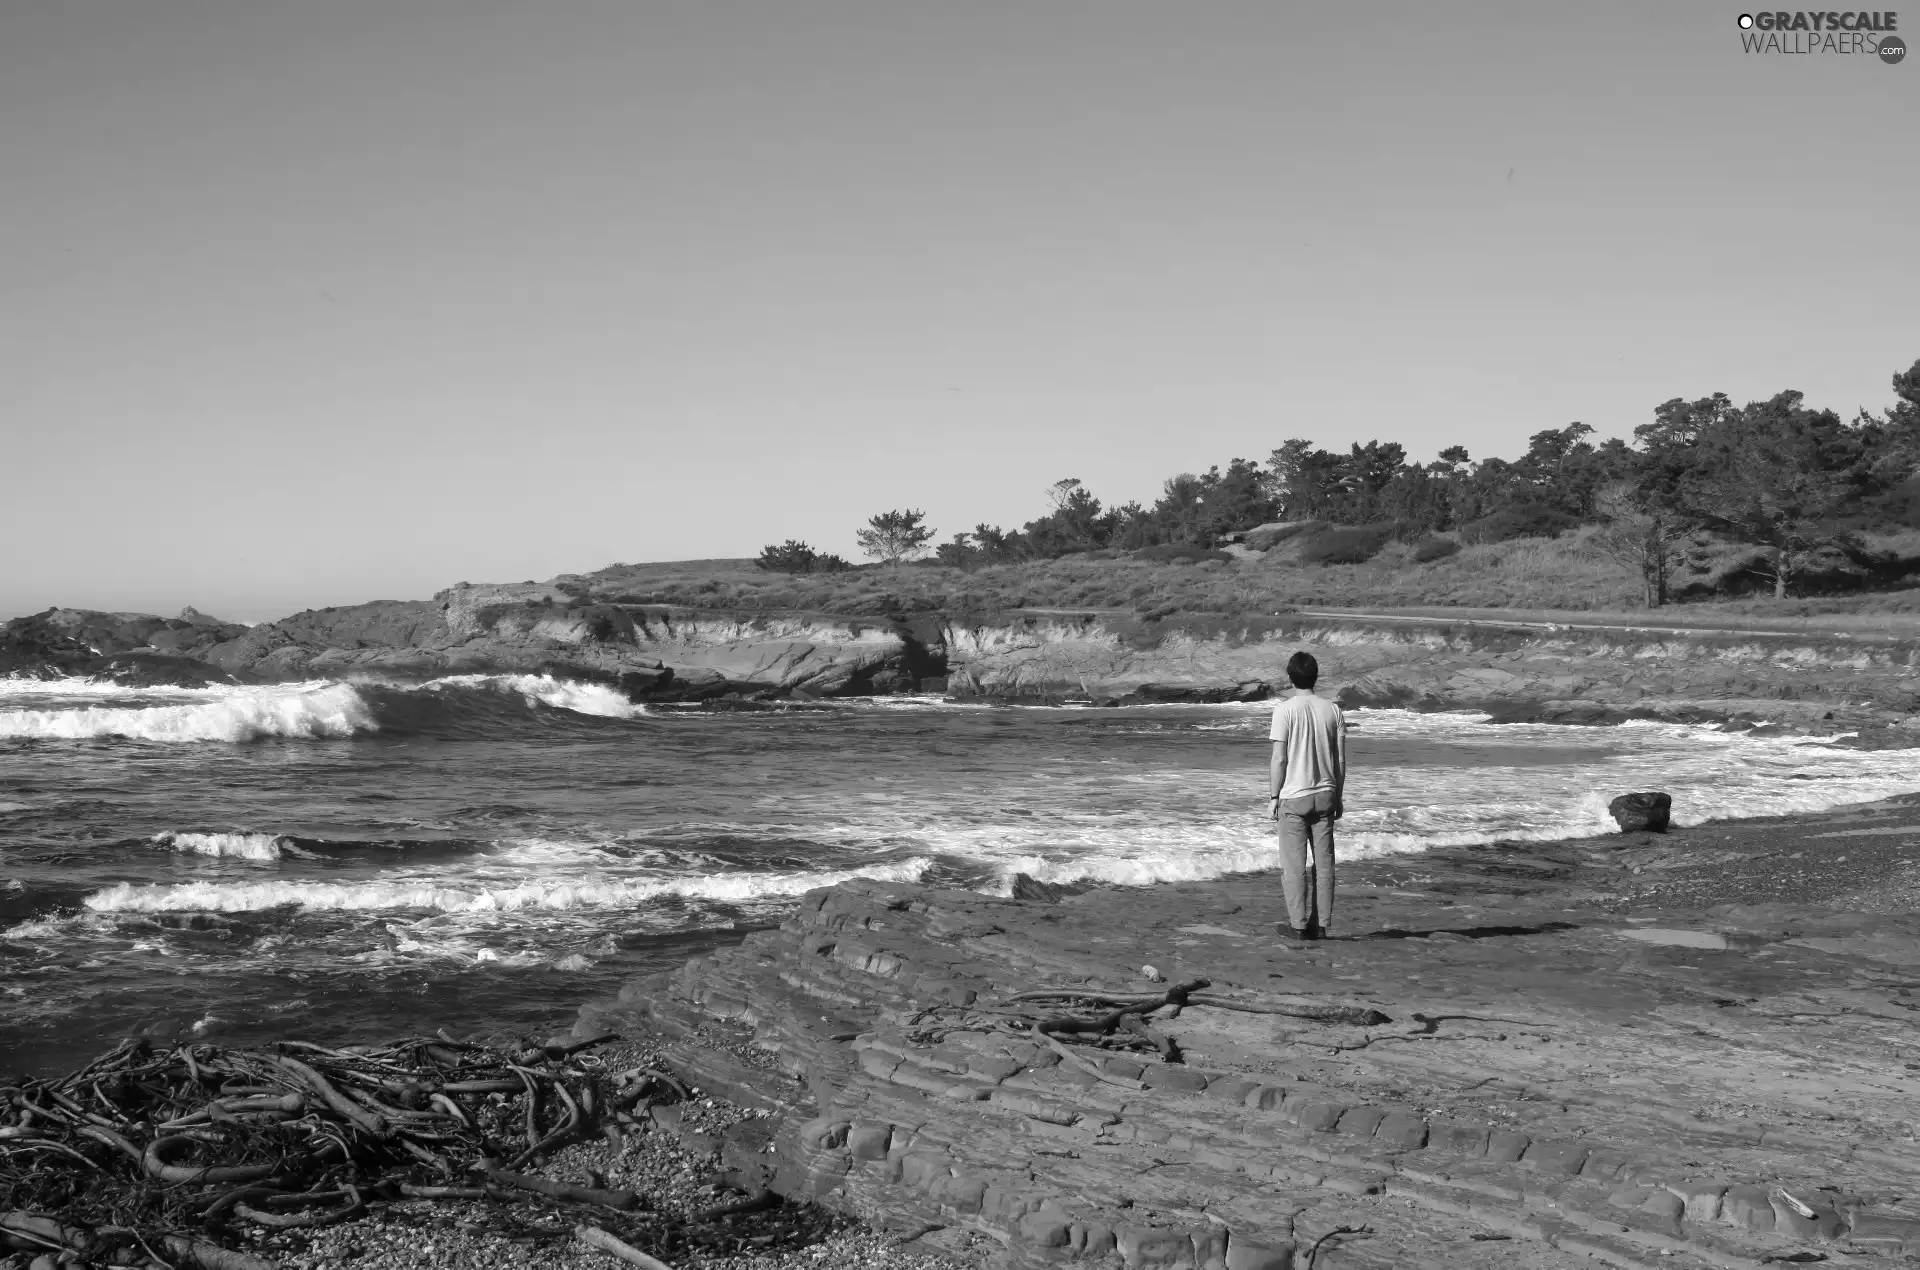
point(1518, 672)
point(1692, 1048)
point(1682, 1049)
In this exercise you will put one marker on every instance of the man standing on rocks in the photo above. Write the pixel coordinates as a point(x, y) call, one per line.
point(1305, 779)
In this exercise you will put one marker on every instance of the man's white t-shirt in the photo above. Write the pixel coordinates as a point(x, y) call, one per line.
point(1315, 734)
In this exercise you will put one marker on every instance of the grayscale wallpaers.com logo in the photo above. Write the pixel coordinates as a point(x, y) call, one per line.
point(1845, 33)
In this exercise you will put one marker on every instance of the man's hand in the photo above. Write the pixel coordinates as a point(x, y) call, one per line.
point(1334, 812)
point(1273, 807)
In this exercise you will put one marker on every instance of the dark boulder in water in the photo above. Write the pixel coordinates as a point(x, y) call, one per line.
point(1635, 812)
point(1034, 890)
point(1196, 693)
point(644, 683)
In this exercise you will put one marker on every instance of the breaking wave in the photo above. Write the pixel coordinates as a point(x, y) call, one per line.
point(230, 846)
point(314, 711)
point(453, 897)
point(561, 694)
point(335, 710)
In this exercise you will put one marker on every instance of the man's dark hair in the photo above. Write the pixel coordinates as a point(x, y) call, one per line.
point(1303, 670)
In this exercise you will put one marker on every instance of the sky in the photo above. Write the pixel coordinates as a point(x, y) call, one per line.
point(308, 304)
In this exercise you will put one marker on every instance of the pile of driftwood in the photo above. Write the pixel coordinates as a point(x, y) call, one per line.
point(163, 1157)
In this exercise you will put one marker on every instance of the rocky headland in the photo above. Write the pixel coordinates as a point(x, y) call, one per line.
point(1593, 672)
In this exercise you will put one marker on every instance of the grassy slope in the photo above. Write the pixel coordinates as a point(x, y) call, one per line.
point(1550, 579)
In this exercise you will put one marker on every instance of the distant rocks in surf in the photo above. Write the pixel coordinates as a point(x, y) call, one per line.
point(650, 652)
point(1197, 694)
point(1648, 812)
point(137, 650)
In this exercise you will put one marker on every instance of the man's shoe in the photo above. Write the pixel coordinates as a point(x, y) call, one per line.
point(1314, 931)
point(1294, 933)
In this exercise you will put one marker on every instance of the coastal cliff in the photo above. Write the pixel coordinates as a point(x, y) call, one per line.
point(1592, 672)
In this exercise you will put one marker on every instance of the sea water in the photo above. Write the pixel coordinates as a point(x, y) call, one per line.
point(353, 861)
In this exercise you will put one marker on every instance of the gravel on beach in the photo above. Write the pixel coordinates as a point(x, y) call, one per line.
point(676, 1183)
point(669, 1166)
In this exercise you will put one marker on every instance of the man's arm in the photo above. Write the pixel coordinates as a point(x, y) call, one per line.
point(1276, 777)
point(1339, 769)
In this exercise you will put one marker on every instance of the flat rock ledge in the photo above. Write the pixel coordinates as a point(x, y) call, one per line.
point(1571, 1073)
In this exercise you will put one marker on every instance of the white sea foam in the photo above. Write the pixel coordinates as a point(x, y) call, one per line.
point(21, 687)
point(449, 896)
point(561, 694)
point(1482, 783)
point(236, 714)
point(230, 712)
point(233, 846)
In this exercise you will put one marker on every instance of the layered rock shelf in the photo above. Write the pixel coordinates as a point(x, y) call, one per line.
point(1574, 1068)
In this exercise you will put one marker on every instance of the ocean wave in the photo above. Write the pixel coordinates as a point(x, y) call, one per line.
point(333, 710)
point(561, 694)
point(315, 710)
point(453, 897)
point(230, 846)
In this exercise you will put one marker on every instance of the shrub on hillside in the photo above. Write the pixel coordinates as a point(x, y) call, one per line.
point(794, 556)
point(1195, 554)
point(1522, 520)
point(1266, 537)
point(1347, 544)
point(1427, 550)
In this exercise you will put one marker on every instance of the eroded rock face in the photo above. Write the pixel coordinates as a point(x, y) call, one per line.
point(1637, 812)
point(1541, 673)
point(650, 651)
point(1537, 673)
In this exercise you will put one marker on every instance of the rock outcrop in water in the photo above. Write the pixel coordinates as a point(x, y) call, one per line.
point(132, 648)
point(652, 651)
point(1648, 812)
point(1551, 1084)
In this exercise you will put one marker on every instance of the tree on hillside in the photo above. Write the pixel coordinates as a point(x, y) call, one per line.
point(1303, 481)
point(1893, 442)
point(1133, 527)
point(1559, 468)
point(891, 537)
point(1179, 515)
point(1417, 497)
point(1646, 533)
point(1076, 522)
point(959, 552)
point(1365, 471)
point(1905, 413)
point(1775, 474)
point(1234, 500)
point(997, 546)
